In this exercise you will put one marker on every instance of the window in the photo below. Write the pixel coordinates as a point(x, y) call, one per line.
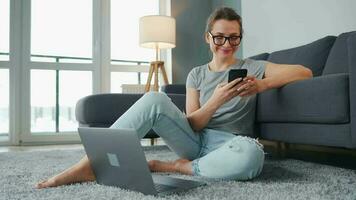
point(4, 102)
point(124, 29)
point(63, 50)
point(66, 40)
point(53, 98)
point(4, 68)
point(61, 31)
point(43, 101)
point(120, 78)
point(4, 29)
point(125, 49)
point(73, 85)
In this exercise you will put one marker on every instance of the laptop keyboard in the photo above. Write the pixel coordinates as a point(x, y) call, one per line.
point(162, 187)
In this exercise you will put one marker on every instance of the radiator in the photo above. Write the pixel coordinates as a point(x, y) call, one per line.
point(134, 88)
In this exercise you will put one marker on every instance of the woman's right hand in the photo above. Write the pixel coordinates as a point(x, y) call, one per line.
point(224, 92)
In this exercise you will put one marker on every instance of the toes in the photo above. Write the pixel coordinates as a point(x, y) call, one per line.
point(41, 185)
point(160, 166)
point(180, 162)
point(182, 166)
point(152, 164)
point(46, 184)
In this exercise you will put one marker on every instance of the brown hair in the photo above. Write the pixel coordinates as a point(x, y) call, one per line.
point(223, 13)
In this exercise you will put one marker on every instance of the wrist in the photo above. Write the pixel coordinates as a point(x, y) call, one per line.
point(211, 105)
point(263, 85)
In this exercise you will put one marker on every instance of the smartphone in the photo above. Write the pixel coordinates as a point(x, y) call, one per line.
point(237, 73)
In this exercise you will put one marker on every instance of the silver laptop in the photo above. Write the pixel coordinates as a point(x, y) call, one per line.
point(117, 159)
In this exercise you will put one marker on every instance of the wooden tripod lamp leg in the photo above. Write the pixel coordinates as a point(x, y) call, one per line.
point(154, 68)
point(155, 86)
point(165, 78)
point(149, 78)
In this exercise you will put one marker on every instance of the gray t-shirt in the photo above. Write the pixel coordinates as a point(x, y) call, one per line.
point(238, 114)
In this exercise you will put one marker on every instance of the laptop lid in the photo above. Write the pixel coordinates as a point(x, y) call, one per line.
point(117, 161)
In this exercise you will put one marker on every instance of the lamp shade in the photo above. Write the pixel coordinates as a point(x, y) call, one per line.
point(157, 31)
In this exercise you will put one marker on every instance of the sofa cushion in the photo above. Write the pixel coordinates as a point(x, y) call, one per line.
point(324, 99)
point(312, 55)
point(337, 61)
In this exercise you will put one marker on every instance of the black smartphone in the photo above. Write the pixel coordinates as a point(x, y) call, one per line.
point(237, 73)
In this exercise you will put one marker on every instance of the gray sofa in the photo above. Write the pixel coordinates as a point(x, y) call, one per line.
point(317, 111)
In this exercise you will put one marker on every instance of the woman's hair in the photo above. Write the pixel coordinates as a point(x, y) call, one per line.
point(223, 13)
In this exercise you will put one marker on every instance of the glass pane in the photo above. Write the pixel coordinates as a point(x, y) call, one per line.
point(4, 102)
point(62, 28)
point(4, 29)
point(144, 77)
point(119, 78)
point(124, 29)
point(43, 101)
point(43, 59)
point(73, 85)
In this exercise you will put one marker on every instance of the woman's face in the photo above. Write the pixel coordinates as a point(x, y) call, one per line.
point(224, 28)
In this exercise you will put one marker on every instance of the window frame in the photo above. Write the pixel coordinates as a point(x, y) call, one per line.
point(6, 65)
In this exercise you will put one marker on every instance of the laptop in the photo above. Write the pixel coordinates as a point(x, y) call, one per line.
point(117, 159)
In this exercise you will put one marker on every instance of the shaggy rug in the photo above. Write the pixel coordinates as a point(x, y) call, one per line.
point(280, 179)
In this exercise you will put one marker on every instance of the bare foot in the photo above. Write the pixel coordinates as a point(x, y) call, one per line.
point(182, 166)
point(79, 172)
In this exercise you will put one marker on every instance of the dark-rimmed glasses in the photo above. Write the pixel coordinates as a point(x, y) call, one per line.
point(220, 40)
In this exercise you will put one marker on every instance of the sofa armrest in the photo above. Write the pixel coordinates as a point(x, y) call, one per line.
point(323, 99)
point(102, 110)
point(351, 41)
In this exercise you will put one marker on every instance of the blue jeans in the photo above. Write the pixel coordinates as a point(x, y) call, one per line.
point(214, 154)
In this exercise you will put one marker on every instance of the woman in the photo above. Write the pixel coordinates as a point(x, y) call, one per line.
point(212, 139)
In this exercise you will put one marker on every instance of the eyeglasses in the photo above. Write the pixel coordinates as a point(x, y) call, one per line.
point(220, 40)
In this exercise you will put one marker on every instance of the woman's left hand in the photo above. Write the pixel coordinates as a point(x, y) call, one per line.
point(250, 86)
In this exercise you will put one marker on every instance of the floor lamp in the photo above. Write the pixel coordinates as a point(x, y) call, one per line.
point(157, 32)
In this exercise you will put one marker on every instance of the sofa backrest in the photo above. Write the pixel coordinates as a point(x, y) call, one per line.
point(102, 110)
point(312, 55)
point(174, 89)
point(337, 61)
point(262, 56)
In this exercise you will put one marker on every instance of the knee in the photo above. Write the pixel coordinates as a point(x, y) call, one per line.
point(248, 161)
point(157, 99)
point(239, 159)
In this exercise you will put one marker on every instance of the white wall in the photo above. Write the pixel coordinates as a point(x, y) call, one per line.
point(191, 49)
point(272, 25)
